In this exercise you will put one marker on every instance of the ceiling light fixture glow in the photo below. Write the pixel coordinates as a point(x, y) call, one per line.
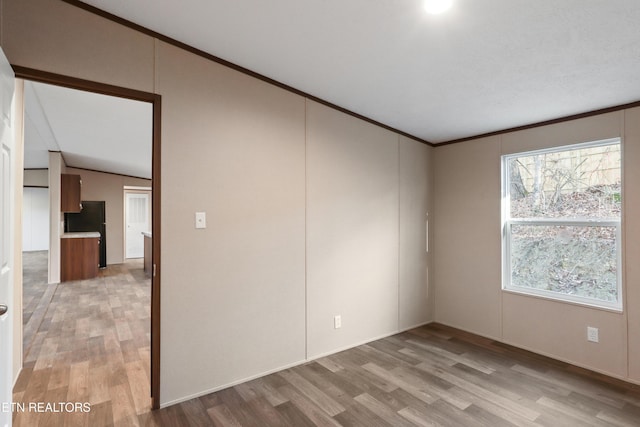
point(437, 6)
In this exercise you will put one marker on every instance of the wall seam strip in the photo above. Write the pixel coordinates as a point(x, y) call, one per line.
point(501, 254)
point(399, 228)
point(624, 246)
point(306, 201)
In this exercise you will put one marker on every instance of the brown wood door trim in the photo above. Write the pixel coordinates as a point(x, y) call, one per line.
point(156, 100)
point(156, 270)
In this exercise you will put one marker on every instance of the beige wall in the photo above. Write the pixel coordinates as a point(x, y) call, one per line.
point(98, 186)
point(236, 296)
point(352, 230)
point(36, 178)
point(416, 301)
point(467, 236)
point(233, 147)
point(468, 255)
point(368, 194)
point(44, 34)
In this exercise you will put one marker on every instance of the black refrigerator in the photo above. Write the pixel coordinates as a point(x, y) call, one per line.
point(91, 218)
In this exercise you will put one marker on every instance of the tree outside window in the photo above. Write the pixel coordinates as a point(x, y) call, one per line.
point(561, 223)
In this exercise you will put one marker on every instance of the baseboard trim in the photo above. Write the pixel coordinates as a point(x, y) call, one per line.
point(590, 369)
point(231, 384)
point(287, 366)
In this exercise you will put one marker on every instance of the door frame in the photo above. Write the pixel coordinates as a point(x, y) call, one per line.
point(156, 101)
point(132, 190)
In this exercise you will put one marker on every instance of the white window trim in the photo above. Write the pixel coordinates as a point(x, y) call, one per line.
point(508, 222)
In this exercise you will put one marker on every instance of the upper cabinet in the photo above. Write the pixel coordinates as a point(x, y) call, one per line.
point(70, 193)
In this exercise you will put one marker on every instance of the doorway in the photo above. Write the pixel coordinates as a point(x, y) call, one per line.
point(155, 101)
point(137, 220)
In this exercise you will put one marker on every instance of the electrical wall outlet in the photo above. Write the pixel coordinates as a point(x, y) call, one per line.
point(337, 322)
point(592, 334)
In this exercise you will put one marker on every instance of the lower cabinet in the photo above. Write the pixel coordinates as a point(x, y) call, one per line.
point(79, 258)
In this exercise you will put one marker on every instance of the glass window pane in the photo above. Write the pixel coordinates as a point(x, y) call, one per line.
point(578, 183)
point(569, 260)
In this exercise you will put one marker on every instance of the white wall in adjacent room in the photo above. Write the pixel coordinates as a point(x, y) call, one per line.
point(35, 219)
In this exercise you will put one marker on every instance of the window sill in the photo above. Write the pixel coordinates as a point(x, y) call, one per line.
point(560, 300)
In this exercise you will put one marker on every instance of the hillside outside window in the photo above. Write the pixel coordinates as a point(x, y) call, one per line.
point(561, 212)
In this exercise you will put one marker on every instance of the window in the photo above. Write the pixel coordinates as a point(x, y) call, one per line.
point(561, 223)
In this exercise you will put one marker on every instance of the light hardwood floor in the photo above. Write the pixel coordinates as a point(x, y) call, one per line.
point(36, 294)
point(429, 376)
point(85, 341)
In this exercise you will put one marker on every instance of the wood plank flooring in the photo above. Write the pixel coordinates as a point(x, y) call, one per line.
point(36, 294)
point(429, 376)
point(89, 343)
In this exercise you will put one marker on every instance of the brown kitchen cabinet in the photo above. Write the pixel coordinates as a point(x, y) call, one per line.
point(79, 256)
point(70, 193)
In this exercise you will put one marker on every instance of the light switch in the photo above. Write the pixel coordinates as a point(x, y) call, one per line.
point(201, 220)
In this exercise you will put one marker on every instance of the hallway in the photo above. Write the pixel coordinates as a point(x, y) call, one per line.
point(85, 341)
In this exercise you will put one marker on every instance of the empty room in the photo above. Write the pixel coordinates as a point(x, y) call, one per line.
point(363, 213)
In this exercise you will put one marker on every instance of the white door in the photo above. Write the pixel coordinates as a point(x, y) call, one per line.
point(7, 83)
point(137, 208)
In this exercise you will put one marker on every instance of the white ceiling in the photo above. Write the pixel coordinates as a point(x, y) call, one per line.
point(484, 66)
point(92, 131)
